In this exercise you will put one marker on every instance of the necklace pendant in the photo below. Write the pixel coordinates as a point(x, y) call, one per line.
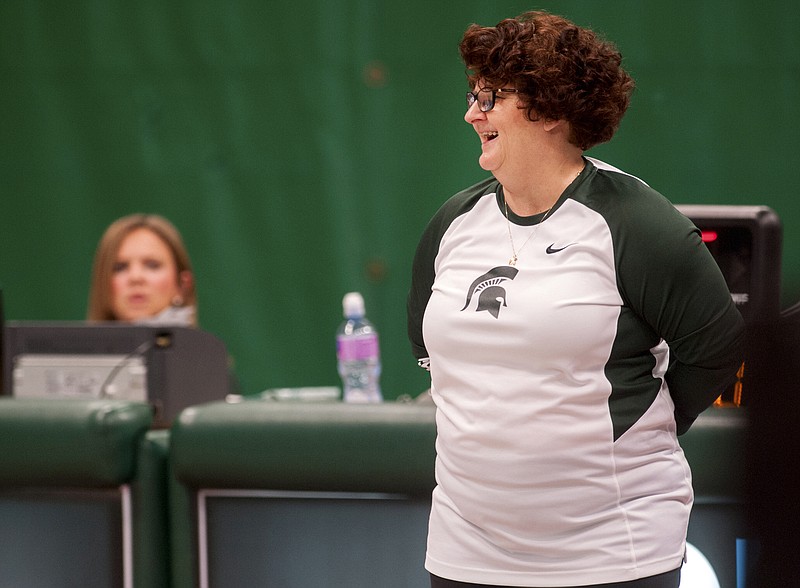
point(513, 261)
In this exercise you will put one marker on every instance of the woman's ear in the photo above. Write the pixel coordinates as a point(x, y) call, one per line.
point(550, 124)
point(185, 282)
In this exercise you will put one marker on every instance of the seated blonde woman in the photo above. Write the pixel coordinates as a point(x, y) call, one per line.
point(142, 274)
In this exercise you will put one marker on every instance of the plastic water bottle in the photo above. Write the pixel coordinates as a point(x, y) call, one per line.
point(357, 353)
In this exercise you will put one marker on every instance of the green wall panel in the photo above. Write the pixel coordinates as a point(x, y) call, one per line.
point(301, 147)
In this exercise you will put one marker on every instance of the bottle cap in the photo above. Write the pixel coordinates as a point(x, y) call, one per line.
point(353, 305)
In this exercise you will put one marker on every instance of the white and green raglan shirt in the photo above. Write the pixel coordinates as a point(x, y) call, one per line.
point(561, 384)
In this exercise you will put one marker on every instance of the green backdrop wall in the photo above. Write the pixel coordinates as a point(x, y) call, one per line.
point(301, 147)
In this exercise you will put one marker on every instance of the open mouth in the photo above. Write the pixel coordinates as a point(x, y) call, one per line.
point(489, 136)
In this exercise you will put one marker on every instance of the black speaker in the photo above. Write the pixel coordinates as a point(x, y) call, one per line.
point(746, 242)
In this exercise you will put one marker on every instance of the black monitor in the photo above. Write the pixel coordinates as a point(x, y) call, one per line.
point(170, 367)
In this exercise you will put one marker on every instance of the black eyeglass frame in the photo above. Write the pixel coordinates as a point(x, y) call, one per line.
point(487, 105)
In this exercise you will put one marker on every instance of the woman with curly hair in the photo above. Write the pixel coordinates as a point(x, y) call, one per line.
point(573, 323)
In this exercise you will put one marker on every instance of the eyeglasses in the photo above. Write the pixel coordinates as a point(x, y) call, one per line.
point(485, 98)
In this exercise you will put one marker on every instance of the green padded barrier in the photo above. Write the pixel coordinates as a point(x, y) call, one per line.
point(389, 446)
point(83, 485)
point(183, 527)
point(385, 447)
point(255, 445)
point(715, 449)
point(69, 442)
point(151, 562)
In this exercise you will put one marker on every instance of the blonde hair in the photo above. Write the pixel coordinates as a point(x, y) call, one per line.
point(106, 254)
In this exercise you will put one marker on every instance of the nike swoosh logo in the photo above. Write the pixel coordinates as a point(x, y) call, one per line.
point(551, 249)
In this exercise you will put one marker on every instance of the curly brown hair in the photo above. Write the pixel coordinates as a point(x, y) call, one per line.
point(562, 72)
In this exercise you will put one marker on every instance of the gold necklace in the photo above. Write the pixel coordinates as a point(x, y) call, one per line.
point(513, 261)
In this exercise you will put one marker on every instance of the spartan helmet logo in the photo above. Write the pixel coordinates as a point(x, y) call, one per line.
point(491, 296)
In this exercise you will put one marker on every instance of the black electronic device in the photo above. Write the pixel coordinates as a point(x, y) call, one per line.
point(170, 367)
point(746, 242)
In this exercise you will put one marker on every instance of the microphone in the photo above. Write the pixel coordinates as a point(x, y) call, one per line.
point(138, 352)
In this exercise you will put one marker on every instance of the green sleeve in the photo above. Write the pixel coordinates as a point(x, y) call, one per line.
point(671, 280)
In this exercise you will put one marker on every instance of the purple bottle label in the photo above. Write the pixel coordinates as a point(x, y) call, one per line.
point(357, 348)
